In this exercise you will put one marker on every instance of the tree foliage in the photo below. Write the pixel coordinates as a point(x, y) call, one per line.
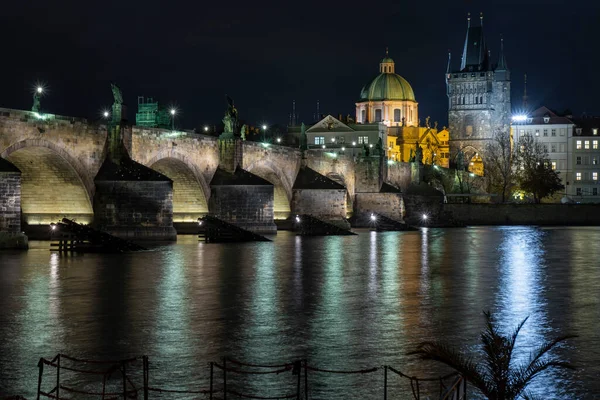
point(500, 164)
point(534, 170)
point(498, 376)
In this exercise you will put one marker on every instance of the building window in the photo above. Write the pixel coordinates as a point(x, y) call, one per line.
point(578, 176)
point(537, 132)
point(553, 132)
point(363, 140)
point(553, 148)
point(587, 144)
point(562, 147)
point(578, 160)
point(480, 99)
point(594, 160)
point(595, 145)
point(562, 131)
point(578, 146)
point(546, 132)
point(363, 116)
point(553, 164)
point(341, 139)
point(319, 139)
point(397, 116)
point(378, 115)
point(545, 148)
point(578, 191)
point(595, 191)
point(595, 176)
point(595, 131)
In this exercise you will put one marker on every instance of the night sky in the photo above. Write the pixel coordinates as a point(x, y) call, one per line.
point(266, 54)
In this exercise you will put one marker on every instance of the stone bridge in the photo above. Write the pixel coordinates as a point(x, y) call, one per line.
point(59, 157)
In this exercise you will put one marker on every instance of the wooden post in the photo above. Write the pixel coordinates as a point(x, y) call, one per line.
point(124, 372)
point(299, 371)
point(211, 380)
point(305, 380)
point(385, 369)
point(41, 373)
point(145, 367)
point(58, 377)
point(224, 378)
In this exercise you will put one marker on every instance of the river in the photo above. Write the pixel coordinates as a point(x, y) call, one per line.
point(345, 302)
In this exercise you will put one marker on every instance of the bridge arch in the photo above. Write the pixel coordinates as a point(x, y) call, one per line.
point(282, 191)
point(53, 183)
point(190, 190)
point(474, 159)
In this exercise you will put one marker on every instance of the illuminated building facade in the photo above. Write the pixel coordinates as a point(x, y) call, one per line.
point(583, 179)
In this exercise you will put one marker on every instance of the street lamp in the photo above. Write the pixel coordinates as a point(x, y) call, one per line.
point(40, 89)
point(173, 112)
point(106, 114)
point(278, 140)
point(206, 129)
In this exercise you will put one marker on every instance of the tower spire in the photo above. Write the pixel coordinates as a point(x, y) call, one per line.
point(481, 18)
point(449, 62)
point(525, 93)
point(502, 60)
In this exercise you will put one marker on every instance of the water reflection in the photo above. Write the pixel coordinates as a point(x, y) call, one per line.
point(341, 302)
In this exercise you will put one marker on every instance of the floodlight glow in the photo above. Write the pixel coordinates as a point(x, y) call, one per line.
point(278, 140)
point(297, 219)
point(40, 89)
point(519, 118)
point(371, 145)
point(105, 114)
point(373, 217)
point(199, 222)
point(264, 127)
point(343, 149)
point(323, 146)
point(424, 216)
point(206, 129)
point(53, 227)
point(353, 143)
point(333, 140)
point(173, 111)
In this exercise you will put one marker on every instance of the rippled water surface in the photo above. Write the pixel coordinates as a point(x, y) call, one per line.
point(340, 302)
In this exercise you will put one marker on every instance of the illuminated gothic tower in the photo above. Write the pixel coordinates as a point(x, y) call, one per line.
point(478, 97)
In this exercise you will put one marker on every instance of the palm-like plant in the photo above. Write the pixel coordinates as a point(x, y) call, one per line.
point(497, 377)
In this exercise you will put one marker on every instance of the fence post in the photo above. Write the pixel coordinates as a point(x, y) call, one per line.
point(465, 388)
point(224, 378)
point(385, 369)
point(41, 373)
point(58, 377)
point(145, 368)
point(298, 368)
point(211, 379)
point(124, 372)
point(305, 380)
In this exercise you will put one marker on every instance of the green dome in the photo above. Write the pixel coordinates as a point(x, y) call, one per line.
point(387, 60)
point(387, 86)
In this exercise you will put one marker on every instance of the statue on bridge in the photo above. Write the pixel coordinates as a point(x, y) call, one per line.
point(379, 148)
point(460, 161)
point(37, 95)
point(303, 138)
point(244, 132)
point(419, 155)
point(117, 107)
point(230, 121)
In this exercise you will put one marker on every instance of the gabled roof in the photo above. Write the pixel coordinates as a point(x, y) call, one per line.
point(240, 177)
point(539, 116)
point(429, 132)
point(329, 124)
point(308, 178)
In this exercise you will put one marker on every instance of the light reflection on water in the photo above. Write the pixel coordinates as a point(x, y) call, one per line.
point(341, 302)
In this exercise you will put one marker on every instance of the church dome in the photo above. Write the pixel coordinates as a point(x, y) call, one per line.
point(387, 85)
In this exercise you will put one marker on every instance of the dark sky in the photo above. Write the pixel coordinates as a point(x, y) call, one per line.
point(266, 54)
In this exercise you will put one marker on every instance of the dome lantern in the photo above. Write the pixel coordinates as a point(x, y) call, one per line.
point(387, 66)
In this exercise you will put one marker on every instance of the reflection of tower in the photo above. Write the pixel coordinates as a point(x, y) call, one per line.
point(478, 95)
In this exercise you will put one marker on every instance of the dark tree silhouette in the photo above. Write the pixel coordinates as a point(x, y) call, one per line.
point(498, 376)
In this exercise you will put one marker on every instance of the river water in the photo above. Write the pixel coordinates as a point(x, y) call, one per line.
point(347, 303)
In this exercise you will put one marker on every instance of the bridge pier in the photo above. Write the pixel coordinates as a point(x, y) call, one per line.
point(11, 236)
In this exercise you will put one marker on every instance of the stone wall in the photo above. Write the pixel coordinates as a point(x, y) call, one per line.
point(390, 205)
point(140, 210)
point(368, 174)
point(524, 214)
point(325, 204)
point(399, 174)
point(247, 206)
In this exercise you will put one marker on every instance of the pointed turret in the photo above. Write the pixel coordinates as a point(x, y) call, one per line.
point(475, 54)
point(502, 66)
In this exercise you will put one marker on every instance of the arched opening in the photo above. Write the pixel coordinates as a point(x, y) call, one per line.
point(189, 200)
point(281, 192)
point(476, 165)
point(51, 188)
